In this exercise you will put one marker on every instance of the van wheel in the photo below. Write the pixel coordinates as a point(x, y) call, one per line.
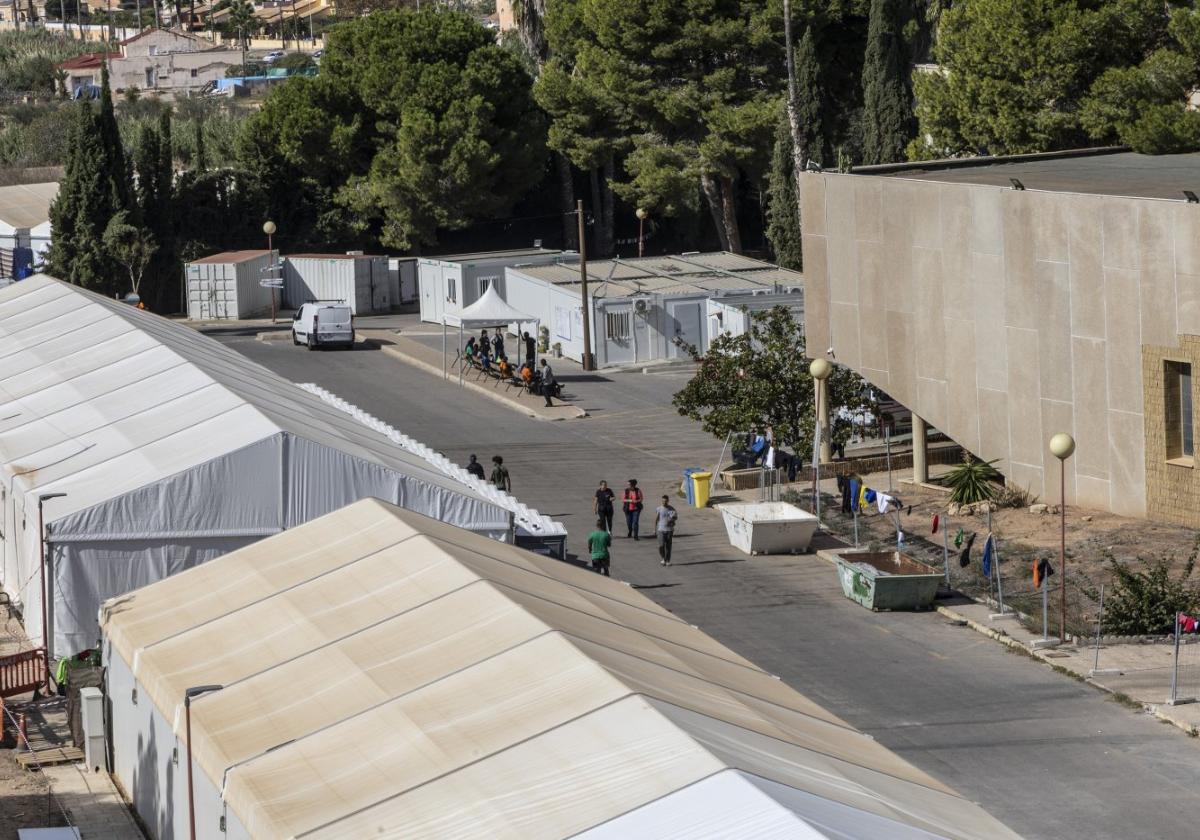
point(295, 341)
point(312, 342)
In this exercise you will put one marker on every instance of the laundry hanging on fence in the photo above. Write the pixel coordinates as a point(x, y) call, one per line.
point(869, 496)
point(964, 559)
point(1188, 624)
point(885, 501)
point(1041, 570)
point(937, 520)
point(989, 552)
point(845, 496)
point(958, 538)
point(855, 491)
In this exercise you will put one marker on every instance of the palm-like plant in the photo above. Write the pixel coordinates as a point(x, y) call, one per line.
point(972, 481)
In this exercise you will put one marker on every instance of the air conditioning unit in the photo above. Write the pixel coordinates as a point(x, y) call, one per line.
point(794, 290)
point(757, 292)
point(641, 305)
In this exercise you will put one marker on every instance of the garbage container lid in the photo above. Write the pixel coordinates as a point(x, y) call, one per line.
point(701, 475)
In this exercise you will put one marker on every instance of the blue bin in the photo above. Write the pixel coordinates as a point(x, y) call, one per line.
point(689, 486)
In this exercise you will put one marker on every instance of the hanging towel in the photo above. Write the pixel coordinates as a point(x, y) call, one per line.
point(937, 520)
point(964, 559)
point(1188, 624)
point(1041, 571)
point(989, 550)
point(958, 538)
point(909, 511)
point(855, 490)
point(845, 488)
point(869, 497)
point(862, 497)
point(885, 501)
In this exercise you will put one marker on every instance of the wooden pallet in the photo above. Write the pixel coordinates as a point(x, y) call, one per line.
point(53, 755)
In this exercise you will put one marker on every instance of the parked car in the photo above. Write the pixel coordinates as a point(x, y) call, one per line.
point(322, 323)
point(317, 54)
point(273, 56)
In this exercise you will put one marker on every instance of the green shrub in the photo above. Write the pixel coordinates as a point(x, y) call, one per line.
point(1146, 600)
point(972, 481)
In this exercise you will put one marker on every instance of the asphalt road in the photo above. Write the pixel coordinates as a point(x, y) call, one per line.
point(1049, 756)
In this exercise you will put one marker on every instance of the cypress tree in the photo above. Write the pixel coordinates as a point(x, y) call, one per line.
point(115, 165)
point(887, 119)
point(783, 217)
point(809, 98)
point(199, 163)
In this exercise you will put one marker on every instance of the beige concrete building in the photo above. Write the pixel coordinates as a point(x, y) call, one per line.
point(169, 62)
point(1006, 312)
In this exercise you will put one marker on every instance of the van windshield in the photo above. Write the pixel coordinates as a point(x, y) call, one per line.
point(335, 315)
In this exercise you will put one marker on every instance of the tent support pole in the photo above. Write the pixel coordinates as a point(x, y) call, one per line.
point(460, 344)
point(444, 375)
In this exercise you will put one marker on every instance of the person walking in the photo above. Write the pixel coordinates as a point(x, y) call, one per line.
point(664, 527)
point(530, 350)
point(631, 503)
point(500, 474)
point(602, 505)
point(548, 382)
point(599, 544)
point(475, 468)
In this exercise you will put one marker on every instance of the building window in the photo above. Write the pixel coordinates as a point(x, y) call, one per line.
point(617, 325)
point(484, 284)
point(1177, 390)
point(451, 290)
point(194, 73)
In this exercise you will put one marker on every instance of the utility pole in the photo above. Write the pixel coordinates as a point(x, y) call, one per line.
point(587, 330)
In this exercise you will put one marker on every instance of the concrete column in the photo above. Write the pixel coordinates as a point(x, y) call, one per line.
point(920, 451)
point(823, 419)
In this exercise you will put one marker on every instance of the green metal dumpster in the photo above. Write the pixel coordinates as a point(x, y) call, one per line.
point(887, 580)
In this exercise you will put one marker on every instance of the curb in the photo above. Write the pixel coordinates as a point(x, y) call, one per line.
point(1005, 639)
point(487, 392)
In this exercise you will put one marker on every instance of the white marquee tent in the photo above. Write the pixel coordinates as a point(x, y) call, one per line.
point(490, 310)
point(381, 674)
point(172, 450)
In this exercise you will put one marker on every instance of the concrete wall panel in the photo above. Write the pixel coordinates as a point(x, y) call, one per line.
point(927, 281)
point(901, 344)
point(1124, 327)
point(868, 210)
point(1086, 246)
point(932, 397)
point(1054, 342)
point(1051, 239)
point(1187, 238)
point(898, 239)
point(993, 427)
point(987, 222)
point(1128, 490)
point(812, 200)
point(956, 250)
point(1020, 277)
point(816, 290)
point(1057, 417)
point(1156, 241)
point(1119, 219)
point(1024, 411)
point(961, 383)
point(1187, 313)
point(988, 270)
point(1090, 366)
point(844, 327)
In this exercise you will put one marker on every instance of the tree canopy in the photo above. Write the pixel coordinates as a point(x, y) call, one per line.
point(1017, 76)
point(760, 379)
point(417, 123)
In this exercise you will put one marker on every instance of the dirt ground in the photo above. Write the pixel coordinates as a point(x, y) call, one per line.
point(24, 802)
point(1092, 537)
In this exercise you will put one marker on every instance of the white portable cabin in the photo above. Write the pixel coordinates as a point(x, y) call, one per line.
point(450, 283)
point(228, 286)
point(24, 227)
point(639, 307)
point(731, 314)
point(171, 449)
point(362, 281)
point(402, 274)
point(376, 673)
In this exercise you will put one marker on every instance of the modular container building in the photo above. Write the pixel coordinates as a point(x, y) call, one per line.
point(647, 309)
point(360, 280)
point(24, 227)
point(402, 274)
point(451, 283)
point(228, 286)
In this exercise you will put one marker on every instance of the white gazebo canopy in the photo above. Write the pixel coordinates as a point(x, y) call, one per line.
point(491, 310)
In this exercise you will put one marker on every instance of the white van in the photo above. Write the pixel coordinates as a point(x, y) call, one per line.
point(322, 323)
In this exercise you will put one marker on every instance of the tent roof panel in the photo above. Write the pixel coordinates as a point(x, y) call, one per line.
point(495, 673)
point(27, 205)
point(52, 333)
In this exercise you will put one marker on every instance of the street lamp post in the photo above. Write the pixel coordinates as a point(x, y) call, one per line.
point(42, 499)
point(641, 216)
point(269, 229)
point(188, 694)
point(1062, 445)
point(820, 369)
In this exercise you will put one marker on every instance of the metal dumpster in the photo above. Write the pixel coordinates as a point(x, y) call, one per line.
point(768, 527)
point(887, 580)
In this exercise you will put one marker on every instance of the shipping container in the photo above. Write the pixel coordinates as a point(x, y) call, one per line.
point(229, 285)
point(361, 281)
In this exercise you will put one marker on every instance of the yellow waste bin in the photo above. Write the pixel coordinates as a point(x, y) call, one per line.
point(701, 484)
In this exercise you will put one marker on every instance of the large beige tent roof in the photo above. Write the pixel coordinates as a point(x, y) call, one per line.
point(389, 675)
point(26, 205)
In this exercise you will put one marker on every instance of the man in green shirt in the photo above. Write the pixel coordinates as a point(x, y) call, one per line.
point(598, 544)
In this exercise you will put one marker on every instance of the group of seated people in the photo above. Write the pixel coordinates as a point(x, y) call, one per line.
point(487, 355)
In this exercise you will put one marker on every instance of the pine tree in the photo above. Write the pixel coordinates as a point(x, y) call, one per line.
point(783, 217)
point(199, 163)
point(887, 97)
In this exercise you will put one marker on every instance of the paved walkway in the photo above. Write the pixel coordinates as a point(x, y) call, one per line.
point(92, 802)
point(1139, 672)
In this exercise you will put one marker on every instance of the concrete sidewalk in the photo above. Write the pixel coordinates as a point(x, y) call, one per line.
point(93, 803)
point(1139, 672)
point(419, 355)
